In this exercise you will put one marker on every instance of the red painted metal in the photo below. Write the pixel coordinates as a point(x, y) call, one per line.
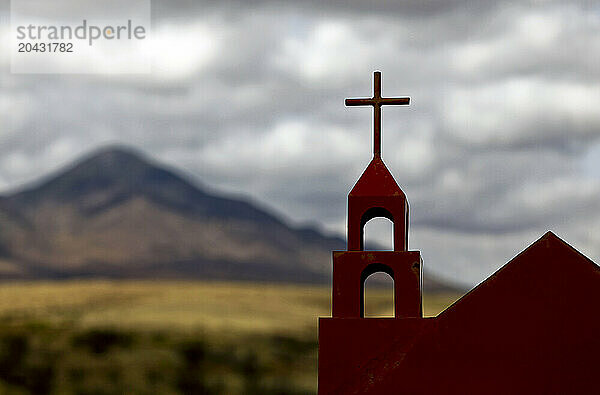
point(377, 101)
point(532, 327)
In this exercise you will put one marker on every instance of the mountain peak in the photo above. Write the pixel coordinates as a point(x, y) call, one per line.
point(113, 175)
point(115, 155)
point(109, 174)
point(112, 161)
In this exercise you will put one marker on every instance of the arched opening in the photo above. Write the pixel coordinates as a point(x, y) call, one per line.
point(378, 234)
point(377, 230)
point(377, 292)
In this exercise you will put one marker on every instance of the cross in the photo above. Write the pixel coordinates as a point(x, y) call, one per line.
point(377, 101)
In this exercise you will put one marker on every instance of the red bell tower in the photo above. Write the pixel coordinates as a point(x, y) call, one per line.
point(347, 339)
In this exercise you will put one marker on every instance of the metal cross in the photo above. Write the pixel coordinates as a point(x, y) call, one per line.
point(377, 101)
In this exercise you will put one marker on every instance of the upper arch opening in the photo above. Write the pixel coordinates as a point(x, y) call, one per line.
point(382, 228)
point(378, 234)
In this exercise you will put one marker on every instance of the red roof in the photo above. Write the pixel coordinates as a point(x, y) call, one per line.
point(376, 180)
point(532, 327)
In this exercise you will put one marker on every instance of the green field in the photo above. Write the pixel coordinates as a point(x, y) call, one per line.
point(167, 337)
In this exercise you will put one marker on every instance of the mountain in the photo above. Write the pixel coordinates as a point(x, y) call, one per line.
point(118, 214)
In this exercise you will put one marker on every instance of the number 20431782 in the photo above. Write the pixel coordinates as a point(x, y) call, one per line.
point(45, 47)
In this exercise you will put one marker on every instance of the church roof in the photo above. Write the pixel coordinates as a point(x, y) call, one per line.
point(376, 180)
point(548, 269)
point(535, 317)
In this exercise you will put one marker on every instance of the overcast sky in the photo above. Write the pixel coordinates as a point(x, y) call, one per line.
point(501, 141)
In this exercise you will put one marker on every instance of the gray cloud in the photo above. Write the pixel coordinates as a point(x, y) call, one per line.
point(248, 97)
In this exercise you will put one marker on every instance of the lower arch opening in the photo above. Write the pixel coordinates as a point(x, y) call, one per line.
point(378, 296)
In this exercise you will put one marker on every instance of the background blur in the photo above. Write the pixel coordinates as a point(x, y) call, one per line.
point(501, 142)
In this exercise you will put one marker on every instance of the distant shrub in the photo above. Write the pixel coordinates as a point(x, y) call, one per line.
point(293, 345)
point(21, 366)
point(191, 376)
point(13, 349)
point(99, 341)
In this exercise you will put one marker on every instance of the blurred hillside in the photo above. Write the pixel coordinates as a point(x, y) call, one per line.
point(118, 214)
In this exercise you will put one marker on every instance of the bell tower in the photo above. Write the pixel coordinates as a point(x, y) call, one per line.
point(375, 194)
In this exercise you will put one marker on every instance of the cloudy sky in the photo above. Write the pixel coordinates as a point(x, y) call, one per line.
point(501, 141)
